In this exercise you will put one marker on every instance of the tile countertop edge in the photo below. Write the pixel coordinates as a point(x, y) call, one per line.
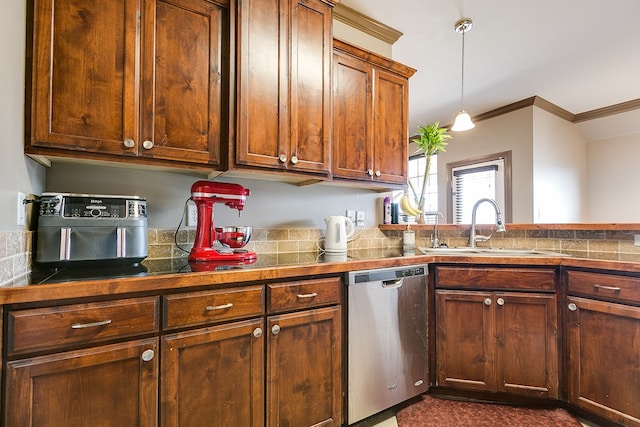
point(184, 281)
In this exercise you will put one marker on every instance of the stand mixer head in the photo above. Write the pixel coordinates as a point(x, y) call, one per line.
point(205, 194)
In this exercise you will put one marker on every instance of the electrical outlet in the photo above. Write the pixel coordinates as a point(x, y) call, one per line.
point(359, 219)
point(21, 212)
point(351, 214)
point(636, 240)
point(192, 215)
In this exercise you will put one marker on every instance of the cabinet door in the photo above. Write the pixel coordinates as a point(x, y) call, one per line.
point(82, 91)
point(304, 368)
point(391, 135)
point(352, 118)
point(604, 359)
point(527, 344)
point(110, 386)
point(465, 340)
point(310, 97)
point(183, 80)
point(262, 87)
point(214, 376)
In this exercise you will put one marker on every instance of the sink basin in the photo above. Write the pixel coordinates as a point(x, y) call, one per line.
point(505, 252)
point(450, 251)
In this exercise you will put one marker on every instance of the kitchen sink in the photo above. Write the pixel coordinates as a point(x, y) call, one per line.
point(505, 252)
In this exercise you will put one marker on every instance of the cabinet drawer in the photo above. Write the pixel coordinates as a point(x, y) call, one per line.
point(496, 278)
point(201, 308)
point(57, 327)
point(306, 293)
point(604, 286)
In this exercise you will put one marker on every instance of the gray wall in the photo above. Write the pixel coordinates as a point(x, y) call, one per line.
point(271, 204)
point(17, 173)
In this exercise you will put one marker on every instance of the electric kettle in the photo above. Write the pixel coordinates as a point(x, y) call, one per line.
point(339, 230)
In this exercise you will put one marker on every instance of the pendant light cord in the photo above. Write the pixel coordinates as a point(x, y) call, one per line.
point(462, 75)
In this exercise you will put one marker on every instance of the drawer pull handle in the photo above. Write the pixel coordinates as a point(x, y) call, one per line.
point(219, 307)
point(275, 329)
point(90, 325)
point(608, 288)
point(500, 301)
point(487, 301)
point(572, 307)
point(257, 332)
point(311, 295)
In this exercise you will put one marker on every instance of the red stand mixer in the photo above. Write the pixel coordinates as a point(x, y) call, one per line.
point(204, 194)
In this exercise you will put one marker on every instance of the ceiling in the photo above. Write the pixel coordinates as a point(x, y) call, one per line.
point(580, 55)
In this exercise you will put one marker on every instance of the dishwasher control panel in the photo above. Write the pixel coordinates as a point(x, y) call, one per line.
point(383, 274)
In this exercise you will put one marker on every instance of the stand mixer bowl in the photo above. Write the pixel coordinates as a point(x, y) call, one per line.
point(234, 237)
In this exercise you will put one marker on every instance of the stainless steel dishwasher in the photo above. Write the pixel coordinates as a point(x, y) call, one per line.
point(387, 338)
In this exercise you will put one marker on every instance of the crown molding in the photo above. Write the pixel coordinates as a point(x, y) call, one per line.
point(364, 23)
point(611, 110)
point(552, 108)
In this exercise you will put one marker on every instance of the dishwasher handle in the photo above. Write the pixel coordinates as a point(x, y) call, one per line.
point(392, 284)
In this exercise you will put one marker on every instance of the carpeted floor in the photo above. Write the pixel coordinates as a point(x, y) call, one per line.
point(437, 412)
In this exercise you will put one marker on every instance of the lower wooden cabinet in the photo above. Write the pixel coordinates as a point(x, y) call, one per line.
point(497, 342)
point(304, 366)
point(214, 376)
point(604, 345)
point(108, 386)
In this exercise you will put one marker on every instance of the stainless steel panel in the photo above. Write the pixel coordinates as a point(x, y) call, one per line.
point(387, 342)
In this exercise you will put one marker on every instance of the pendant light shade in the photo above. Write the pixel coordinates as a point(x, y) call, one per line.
point(463, 120)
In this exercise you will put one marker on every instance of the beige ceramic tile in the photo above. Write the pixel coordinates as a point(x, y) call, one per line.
point(603, 245)
point(160, 251)
point(3, 245)
point(278, 234)
point(574, 245)
point(288, 246)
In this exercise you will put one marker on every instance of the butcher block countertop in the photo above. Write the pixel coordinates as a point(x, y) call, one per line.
point(282, 267)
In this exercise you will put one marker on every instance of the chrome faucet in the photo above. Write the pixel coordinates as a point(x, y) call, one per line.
point(435, 242)
point(499, 223)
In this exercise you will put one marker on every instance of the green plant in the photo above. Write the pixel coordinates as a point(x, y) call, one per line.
point(432, 139)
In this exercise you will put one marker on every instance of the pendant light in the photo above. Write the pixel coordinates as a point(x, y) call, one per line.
point(463, 120)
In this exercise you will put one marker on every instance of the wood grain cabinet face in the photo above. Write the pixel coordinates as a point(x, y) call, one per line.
point(208, 307)
point(112, 386)
point(214, 376)
point(304, 368)
point(604, 348)
point(58, 327)
point(370, 119)
point(496, 341)
point(284, 88)
point(105, 85)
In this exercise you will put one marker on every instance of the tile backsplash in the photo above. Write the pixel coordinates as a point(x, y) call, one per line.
point(593, 243)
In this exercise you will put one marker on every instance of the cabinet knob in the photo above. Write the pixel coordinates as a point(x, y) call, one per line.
point(148, 145)
point(129, 143)
point(282, 158)
point(487, 301)
point(378, 174)
point(257, 332)
point(572, 307)
point(500, 301)
point(148, 355)
point(370, 172)
point(275, 329)
point(294, 159)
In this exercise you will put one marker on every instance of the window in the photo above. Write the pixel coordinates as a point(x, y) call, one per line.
point(415, 175)
point(416, 178)
point(474, 179)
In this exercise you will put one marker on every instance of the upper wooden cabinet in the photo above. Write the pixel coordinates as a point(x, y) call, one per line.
point(145, 81)
point(370, 116)
point(284, 85)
